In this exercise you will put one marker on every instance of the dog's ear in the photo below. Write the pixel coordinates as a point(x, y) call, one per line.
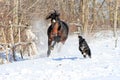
point(79, 36)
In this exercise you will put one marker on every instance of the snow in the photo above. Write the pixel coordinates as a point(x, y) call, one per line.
point(67, 63)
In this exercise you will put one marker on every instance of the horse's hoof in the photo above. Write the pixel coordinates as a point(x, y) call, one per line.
point(51, 48)
point(48, 52)
point(48, 55)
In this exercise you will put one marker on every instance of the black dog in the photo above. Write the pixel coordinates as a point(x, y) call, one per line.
point(83, 47)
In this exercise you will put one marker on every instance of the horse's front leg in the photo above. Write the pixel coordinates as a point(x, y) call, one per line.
point(48, 52)
point(53, 44)
point(56, 40)
point(49, 47)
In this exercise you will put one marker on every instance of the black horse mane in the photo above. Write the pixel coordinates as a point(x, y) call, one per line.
point(53, 15)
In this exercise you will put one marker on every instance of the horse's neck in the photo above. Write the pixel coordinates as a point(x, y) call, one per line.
point(56, 22)
point(55, 27)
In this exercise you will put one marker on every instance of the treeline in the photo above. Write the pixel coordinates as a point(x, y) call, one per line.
point(89, 15)
point(95, 14)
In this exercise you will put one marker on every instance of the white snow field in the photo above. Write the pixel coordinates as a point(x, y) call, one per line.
point(68, 63)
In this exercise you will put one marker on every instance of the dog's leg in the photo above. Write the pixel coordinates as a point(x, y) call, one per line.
point(84, 55)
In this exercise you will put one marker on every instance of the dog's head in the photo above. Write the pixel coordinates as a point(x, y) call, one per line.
point(80, 37)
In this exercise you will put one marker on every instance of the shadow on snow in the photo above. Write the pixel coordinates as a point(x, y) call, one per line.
point(66, 58)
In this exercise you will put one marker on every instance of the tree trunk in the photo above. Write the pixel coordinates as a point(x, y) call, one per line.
point(85, 11)
point(93, 15)
point(6, 46)
point(14, 30)
point(12, 40)
point(115, 22)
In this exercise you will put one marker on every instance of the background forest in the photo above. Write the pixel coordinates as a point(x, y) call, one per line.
point(85, 16)
point(91, 14)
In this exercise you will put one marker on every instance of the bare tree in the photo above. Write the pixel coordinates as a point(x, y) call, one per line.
point(115, 22)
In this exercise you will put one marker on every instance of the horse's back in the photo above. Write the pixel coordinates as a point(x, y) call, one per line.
point(65, 26)
point(65, 29)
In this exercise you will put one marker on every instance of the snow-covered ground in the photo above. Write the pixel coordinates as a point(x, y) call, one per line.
point(68, 63)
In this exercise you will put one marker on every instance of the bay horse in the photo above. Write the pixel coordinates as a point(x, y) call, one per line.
point(57, 31)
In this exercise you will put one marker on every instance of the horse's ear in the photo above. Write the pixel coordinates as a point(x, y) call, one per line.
point(56, 12)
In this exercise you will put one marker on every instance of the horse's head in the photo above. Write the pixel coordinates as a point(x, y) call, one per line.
point(53, 16)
